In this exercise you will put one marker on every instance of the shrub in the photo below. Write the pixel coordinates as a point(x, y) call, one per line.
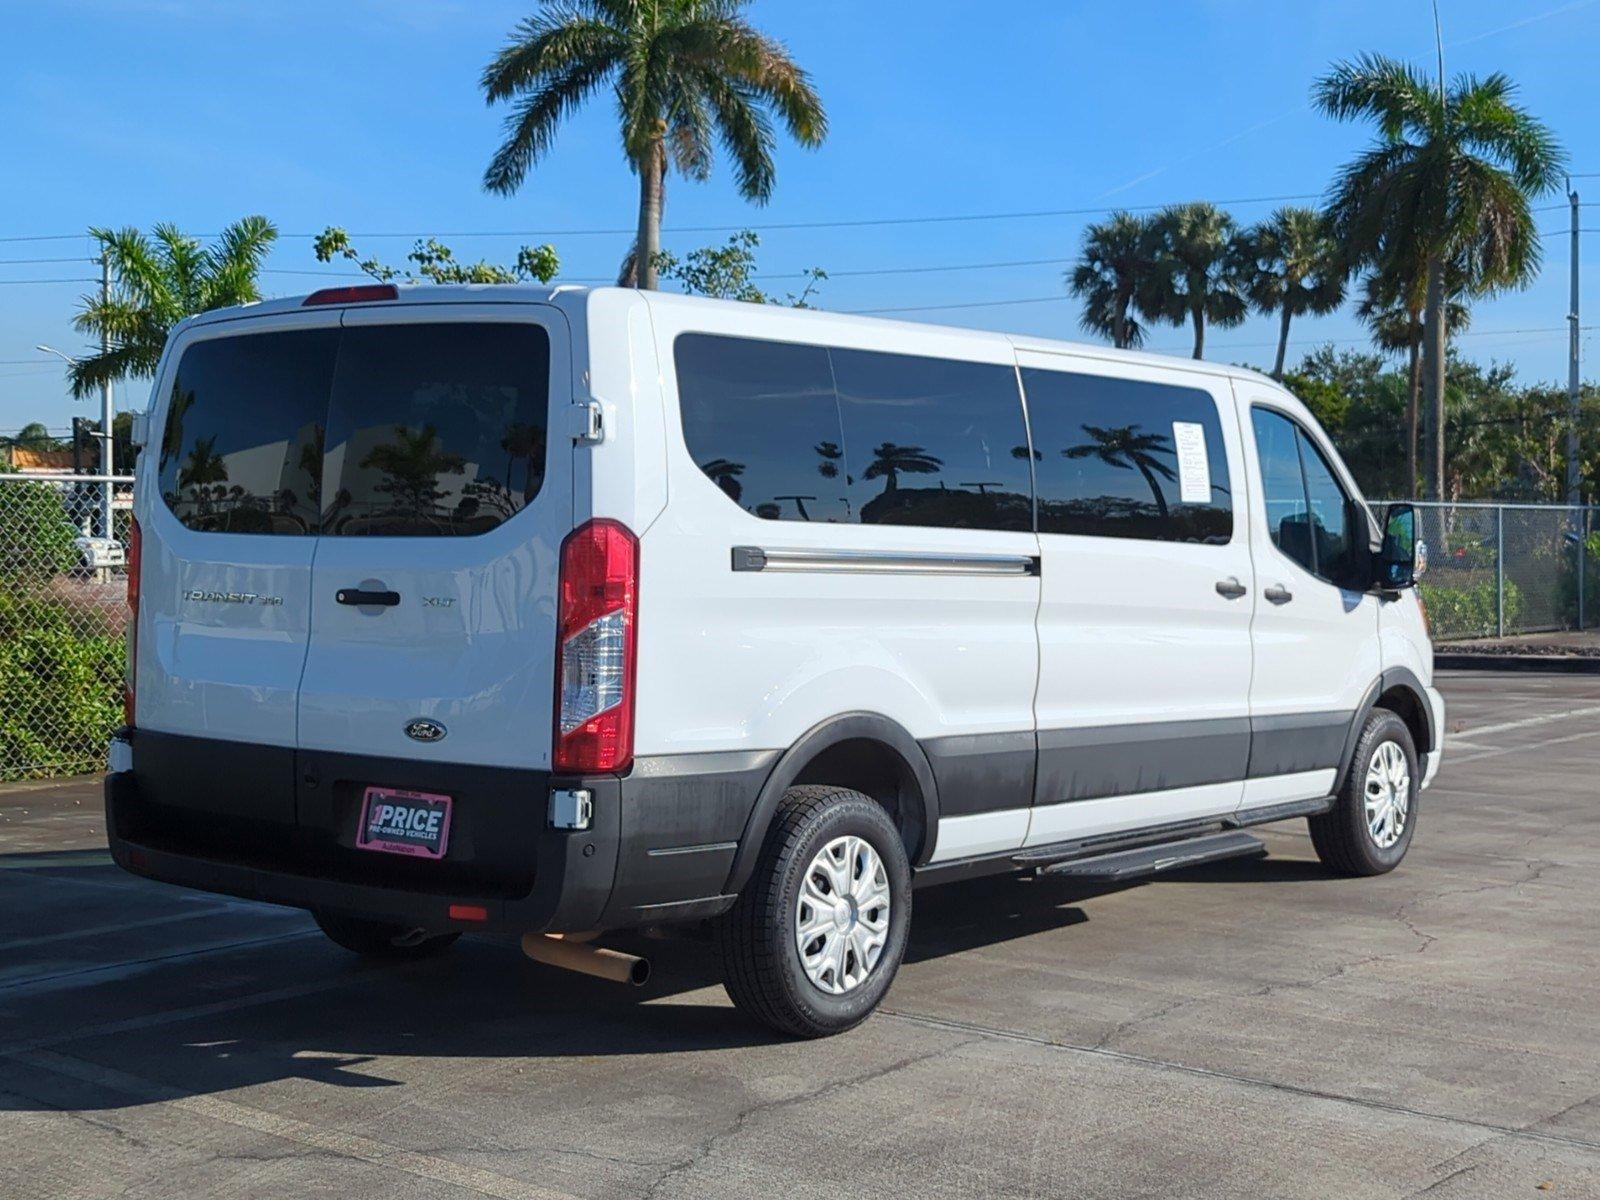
point(63, 688)
point(36, 538)
point(1468, 611)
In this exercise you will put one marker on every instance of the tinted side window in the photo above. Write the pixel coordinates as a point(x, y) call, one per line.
point(1126, 458)
point(242, 447)
point(933, 442)
point(761, 421)
point(435, 430)
point(1339, 544)
point(1283, 486)
point(1311, 518)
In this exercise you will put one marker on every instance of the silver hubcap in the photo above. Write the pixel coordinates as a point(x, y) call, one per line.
point(1388, 795)
point(841, 922)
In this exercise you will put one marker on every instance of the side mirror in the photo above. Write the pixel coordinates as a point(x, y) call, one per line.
point(139, 429)
point(1402, 557)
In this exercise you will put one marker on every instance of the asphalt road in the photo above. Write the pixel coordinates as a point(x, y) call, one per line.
point(1258, 1029)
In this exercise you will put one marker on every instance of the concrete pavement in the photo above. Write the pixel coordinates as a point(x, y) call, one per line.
point(1256, 1028)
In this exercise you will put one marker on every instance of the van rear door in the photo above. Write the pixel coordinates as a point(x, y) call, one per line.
point(228, 515)
point(446, 495)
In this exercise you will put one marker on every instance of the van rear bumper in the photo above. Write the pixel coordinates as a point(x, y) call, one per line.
point(656, 852)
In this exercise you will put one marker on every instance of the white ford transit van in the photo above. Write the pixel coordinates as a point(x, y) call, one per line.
point(560, 611)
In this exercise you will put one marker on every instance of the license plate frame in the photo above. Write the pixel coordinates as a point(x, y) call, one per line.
point(399, 830)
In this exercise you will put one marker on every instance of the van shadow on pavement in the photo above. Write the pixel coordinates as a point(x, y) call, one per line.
point(479, 1000)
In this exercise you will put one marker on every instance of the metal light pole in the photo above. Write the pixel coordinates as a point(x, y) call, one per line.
point(108, 413)
point(1574, 482)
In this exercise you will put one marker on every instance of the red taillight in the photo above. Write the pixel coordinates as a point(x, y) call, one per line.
point(360, 294)
point(468, 912)
point(596, 627)
point(135, 556)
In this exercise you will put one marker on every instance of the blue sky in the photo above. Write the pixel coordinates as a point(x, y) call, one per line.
point(366, 114)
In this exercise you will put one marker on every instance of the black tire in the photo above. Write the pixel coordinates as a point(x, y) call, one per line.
point(380, 939)
point(761, 964)
point(1343, 840)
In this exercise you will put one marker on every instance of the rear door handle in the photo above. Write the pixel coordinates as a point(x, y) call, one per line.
point(1278, 594)
point(1230, 588)
point(361, 597)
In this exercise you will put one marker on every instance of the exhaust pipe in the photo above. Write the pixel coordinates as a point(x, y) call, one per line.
point(570, 953)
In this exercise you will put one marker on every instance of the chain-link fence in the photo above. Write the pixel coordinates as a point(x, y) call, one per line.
point(63, 609)
point(1501, 569)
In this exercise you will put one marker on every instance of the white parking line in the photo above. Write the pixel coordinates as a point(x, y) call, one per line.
point(1506, 726)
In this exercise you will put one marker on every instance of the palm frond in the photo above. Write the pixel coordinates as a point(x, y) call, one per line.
point(1392, 93)
point(531, 127)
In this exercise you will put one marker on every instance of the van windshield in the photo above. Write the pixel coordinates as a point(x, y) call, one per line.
point(395, 430)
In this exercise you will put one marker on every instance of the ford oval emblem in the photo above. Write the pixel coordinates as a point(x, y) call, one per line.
point(424, 730)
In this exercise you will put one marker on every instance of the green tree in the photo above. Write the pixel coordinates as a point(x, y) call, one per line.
point(1391, 308)
point(1114, 267)
point(34, 436)
point(727, 273)
point(1293, 267)
point(1449, 181)
point(436, 262)
point(157, 281)
point(683, 74)
point(1194, 275)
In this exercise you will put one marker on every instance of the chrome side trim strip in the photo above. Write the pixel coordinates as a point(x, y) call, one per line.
point(882, 562)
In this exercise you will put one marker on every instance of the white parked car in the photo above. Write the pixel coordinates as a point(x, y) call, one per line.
point(99, 553)
point(560, 611)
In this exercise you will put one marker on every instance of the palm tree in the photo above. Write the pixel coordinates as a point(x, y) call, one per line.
point(1391, 307)
point(889, 460)
point(1116, 261)
point(1127, 449)
point(1449, 181)
point(157, 281)
point(1194, 276)
point(682, 71)
point(1293, 267)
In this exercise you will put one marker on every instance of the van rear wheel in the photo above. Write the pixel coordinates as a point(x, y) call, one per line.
point(1369, 828)
point(819, 931)
point(381, 939)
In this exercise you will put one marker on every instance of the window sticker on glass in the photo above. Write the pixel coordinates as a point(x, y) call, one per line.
point(1194, 468)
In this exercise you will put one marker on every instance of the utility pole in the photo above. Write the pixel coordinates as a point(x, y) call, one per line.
point(107, 410)
point(1574, 383)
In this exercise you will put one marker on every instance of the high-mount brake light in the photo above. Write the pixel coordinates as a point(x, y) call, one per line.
point(359, 294)
point(596, 649)
point(135, 556)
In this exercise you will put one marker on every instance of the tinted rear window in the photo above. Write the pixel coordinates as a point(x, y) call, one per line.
point(241, 452)
point(809, 433)
point(397, 430)
point(1108, 459)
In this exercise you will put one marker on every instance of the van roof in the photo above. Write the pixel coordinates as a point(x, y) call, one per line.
point(574, 294)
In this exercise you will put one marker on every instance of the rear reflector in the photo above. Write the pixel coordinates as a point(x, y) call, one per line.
point(595, 648)
point(134, 558)
point(360, 294)
point(468, 912)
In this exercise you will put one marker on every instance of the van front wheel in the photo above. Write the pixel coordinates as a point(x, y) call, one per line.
point(1369, 827)
point(819, 931)
point(381, 939)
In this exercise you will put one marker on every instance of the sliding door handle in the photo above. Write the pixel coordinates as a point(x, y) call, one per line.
point(1278, 594)
point(1230, 588)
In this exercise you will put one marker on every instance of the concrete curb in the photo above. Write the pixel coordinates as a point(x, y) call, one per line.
point(1551, 664)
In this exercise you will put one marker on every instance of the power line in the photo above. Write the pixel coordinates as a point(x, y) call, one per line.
point(6, 282)
point(852, 223)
